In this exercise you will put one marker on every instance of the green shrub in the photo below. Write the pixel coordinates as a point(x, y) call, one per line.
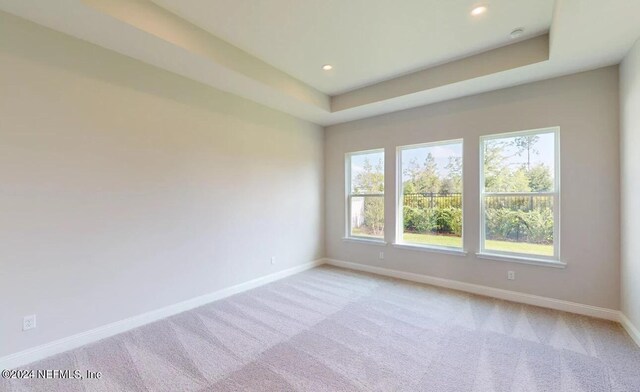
point(446, 220)
point(535, 226)
point(417, 219)
point(374, 215)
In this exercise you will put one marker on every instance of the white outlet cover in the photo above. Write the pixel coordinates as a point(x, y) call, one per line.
point(273, 259)
point(511, 275)
point(381, 256)
point(29, 322)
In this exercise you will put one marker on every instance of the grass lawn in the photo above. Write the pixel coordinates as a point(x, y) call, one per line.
point(430, 239)
point(363, 233)
point(456, 242)
point(521, 247)
point(505, 246)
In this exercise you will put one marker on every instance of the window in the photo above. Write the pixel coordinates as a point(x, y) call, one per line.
point(365, 194)
point(430, 195)
point(519, 194)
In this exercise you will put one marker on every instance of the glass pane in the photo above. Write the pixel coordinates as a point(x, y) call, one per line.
point(367, 173)
point(432, 195)
point(520, 224)
point(367, 216)
point(520, 163)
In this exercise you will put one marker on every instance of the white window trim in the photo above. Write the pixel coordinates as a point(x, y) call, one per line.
point(431, 248)
point(399, 243)
point(527, 258)
point(365, 240)
point(348, 195)
point(532, 260)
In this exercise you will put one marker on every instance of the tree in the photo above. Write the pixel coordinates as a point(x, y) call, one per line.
point(371, 181)
point(526, 144)
point(374, 215)
point(428, 180)
point(412, 171)
point(518, 181)
point(452, 183)
point(540, 178)
point(496, 171)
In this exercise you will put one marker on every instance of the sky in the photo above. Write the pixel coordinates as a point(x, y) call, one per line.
point(442, 152)
point(357, 162)
point(545, 152)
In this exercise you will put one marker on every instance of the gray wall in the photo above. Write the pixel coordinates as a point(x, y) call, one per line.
point(124, 188)
point(630, 175)
point(585, 107)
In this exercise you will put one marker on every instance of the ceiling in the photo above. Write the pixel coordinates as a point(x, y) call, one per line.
point(387, 55)
point(365, 40)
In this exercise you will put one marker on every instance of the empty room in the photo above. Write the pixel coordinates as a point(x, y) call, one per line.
point(337, 195)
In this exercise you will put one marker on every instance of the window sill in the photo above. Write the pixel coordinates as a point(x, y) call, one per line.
point(433, 249)
point(522, 260)
point(365, 241)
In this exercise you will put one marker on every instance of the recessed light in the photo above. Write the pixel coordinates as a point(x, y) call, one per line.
point(479, 10)
point(327, 67)
point(517, 33)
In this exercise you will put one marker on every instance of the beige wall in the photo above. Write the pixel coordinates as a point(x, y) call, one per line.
point(585, 107)
point(124, 188)
point(630, 181)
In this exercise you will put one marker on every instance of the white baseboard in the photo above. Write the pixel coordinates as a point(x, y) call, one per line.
point(631, 329)
point(21, 358)
point(573, 307)
point(37, 353)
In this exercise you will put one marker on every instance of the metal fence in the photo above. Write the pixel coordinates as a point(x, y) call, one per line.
point(454, 200)
point(519, 202)
point(520, 218)
point(432, 200)
point(515, 217)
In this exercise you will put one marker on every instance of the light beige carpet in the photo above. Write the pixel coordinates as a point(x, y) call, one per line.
point(330, 329)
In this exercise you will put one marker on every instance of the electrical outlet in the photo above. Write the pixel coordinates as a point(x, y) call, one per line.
point(273, 259)
point(511, 275)
point(29, 322)
point(381, 256)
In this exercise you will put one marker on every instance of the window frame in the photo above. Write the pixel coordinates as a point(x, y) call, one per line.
point(399, 231)
point(348, 196)
point(555, 194)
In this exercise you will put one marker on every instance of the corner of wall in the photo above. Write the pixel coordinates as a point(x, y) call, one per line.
point(629, 81)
